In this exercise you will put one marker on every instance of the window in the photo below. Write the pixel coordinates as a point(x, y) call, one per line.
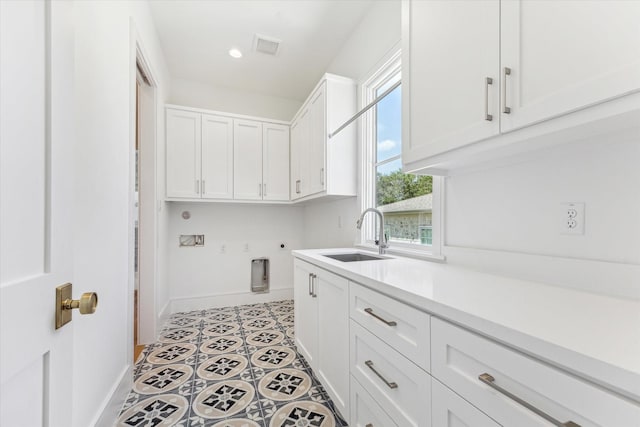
point(406, 200)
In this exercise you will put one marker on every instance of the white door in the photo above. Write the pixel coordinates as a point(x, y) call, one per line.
point(247, 160)
point(565, 55)
point(275, 162)
point(317, 141)
point(183, 154)
point(217, 157)
point(36, 211)
point(333, 337)
point(306, 312)
point(300, 156)
point(453, 50)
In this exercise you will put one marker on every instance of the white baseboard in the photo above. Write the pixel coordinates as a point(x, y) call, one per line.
point(604, 278)
point(162, 317)
point(110, 408)
point(224, 300)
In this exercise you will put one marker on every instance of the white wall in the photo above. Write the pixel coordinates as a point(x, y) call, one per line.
point(104, 81)
point(331, 224)
point(200, 272)
point(376, 35)
point(508, 219)
point(220, 98)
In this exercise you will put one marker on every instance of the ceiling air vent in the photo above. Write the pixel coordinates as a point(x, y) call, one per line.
point(264, 44)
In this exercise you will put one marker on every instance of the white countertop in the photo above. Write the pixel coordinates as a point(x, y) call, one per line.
point(594, 336)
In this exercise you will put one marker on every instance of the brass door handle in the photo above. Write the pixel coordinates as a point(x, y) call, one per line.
point(65, 304)
point(86, 304)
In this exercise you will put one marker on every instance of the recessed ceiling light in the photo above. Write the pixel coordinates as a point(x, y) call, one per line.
point(235, 53)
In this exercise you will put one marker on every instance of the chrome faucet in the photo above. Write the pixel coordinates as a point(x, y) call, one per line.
point(382, 241)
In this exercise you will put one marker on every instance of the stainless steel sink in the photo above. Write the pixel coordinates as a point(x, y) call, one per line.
point(356, 256)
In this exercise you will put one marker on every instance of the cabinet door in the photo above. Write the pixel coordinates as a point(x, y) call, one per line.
point(247, 160)
point(183, 154)
point(333, 337)
point(565, 55)
point(275, 162)
point(305, 312)
point(317, 141)
point(450, 410)
point(450, 48)
point(217, 157)
point(300, 156)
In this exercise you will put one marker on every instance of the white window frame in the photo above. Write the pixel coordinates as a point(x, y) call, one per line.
point(382, 75)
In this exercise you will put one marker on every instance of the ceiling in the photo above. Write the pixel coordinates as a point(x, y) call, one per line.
point(197, 35)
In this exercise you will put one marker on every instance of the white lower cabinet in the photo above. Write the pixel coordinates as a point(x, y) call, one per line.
point(402, 389)
point(305, 311)
point(365, 412)
point(491, 376)
point(333, 337)
point(387, 364)
point(322, 328)
point(450, 410)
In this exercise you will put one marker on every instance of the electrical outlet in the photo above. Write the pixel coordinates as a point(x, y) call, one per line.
point(573, 218)
point(246, 247)
point(223, 249)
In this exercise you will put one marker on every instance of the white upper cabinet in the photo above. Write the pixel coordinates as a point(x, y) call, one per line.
point(323, 166)
point(221, 157)
point(565, 55)
point(275, 162)
point(300, 156)
point(217, 157)
point(247, 170)
point(453, 75)
point(183, 154)
point(478, 70)
point(317, 140)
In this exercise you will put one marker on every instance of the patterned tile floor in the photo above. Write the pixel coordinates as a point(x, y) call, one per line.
point(228, 367)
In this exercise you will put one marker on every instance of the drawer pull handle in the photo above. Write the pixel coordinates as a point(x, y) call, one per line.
point(490, 381)
point(488, 81)
point(388, 322)
point(507, 72)
point(369, 363)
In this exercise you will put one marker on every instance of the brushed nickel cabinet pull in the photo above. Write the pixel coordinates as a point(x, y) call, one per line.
point(388, 322)
point(203, 187)
point(260, 190)
point(313, 285)
point(490, 381)
point(322, 177)
point(264, 190)
point(298, 187)
point(369, 364)
point(488, 82)
point(310, 292)
point(197, 186)
point(507, 72)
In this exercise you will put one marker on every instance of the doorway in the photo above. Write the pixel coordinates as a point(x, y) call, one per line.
point(144, 213)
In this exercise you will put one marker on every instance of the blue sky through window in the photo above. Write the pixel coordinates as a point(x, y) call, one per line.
point(389, 130)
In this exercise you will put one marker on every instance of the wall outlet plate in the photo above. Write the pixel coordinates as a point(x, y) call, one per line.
point(573, 219)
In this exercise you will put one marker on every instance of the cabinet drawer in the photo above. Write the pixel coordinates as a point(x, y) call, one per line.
point(460, 357)
point(450, 410)
point(365, 411)
point(401, 388)
point(404, 328)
